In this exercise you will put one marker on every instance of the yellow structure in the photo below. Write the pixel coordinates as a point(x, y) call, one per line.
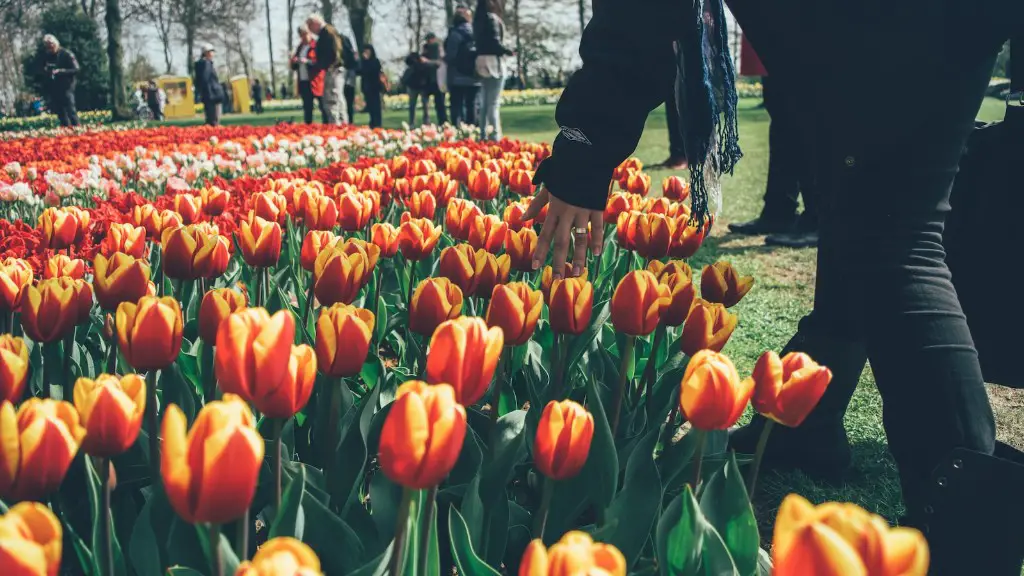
point(179, 96)
point(241, 102)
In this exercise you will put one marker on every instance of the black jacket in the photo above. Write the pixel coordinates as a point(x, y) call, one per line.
point(58, 71)
point(208, 86)
point(489, 31)
point(369, 72)
point(328, 50)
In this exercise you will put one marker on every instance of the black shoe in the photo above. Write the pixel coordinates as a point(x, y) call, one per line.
point(762, 225)
point(793, 239)
point(822, 454)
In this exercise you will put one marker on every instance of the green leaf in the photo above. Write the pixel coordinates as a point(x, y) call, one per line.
point(385, 497)
point(581, 343)
point(228, 558)
point(602, 467)
point(376, 567)
point(637, 504)
point(98, 520)
point(726, 505)
point(381, 321)
point(143, 549)
point(508, 448)
point(332, 539)
point(184, 547)
point(466, 559)
point(183, 571)
point(177, 391)
point(679, 537)
point(290, 519)
point(715, 559)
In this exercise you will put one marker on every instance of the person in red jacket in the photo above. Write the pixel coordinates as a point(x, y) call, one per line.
point(311, 82)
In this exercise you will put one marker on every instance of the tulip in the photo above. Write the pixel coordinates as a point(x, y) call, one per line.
point(421, 204)
point(40, 441)
point(662, 270)
point(189, 207)
point(626, 229)
point(570, 305)
point(459, 216)
point(354, 211)
point(215, 200)
point(483, 185)
point(270, 206)
point(417, 238)
point(256, 360)
point(343, 335)
point(711, 394)
point(520, 247)
point(842, 538)
point(664, 207)
point(400, 166)
point(515, 308)
point(216, 306)
point(637, 183)
point(434, 301)
point(563, 438)
point(675, 188)
point(31, 541)
point(787, 390)
point(547, 277)
point(447, 192)
point(487, 232)
point(120, 278)
point(458, 264)
point(521, 182)
point(628, 165)
point(149, 332)
point(147, 216)
point(708, 326)
point(575, 554)
point(14, 364)
point(385, 237)
point(15, 275)
point(282, 556)
point(422, 435)
point(464, 352)
point(111, 411)
point(687, 239)
point(490, 271)
point(321, 213)
point(60, 266)
point(618, 203)
point(189, 253)
point(721, 283)
point(314, 243)
point(513, 216)
point(340, 272)
point(223, 444)
point(638, 303)
point(260, 241)
point(60, 227)
point(82, 299)
point(682, 295)
point(653, 235)
point(49, 311)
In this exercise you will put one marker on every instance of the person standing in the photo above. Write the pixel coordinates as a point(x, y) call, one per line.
point(676, 141)
point(373, 82)
point(460, 57)
point(58, 75)
point(257, 96)
point(489, 31)
point(329, 60)
point(311, 85)
point(208, 86)
point(414, 79)
point(350, 59)
point(155, 99)
point(433, 59)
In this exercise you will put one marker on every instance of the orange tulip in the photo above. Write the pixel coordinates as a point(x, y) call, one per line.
point(626, 229)
point(513, 216)
point(721, 283)
point(60, 266)
point(270, 206)
point(60, 227)
point(515, 308)
point(222, 444)
point(708, 326)
point(787, 389)
point(638, 303)
point(662, 269)
point(260, 241)
point(520, 246)
point(628, 165)
point(282, 556)
point(563, 438)
point(149, 332)
point(843, 539)
point(314, 243)
point(256, 360)
point(618, 203)
point(422, 435)
point(14, 364)
point(189, 207)
point(40, 441)
point(343, 335)
point(547, 277)
point(434, 301)
point(15, 275)
point(570, 305)
point(49, 311)
point(421, 204)
point(483, 184)
point(637, 183)
point(487, 232)
point(675, 188)
point(459, 216)
point(82, 299)
point(681, 292)
point(31, 541)
point(354, 211)
point(417, 238)
point(575, 554)
point(653, 235)
point(215, 200)
point(190, 252)
point(490, 271)
point(111, 411)
point(464, 353)
point(711, 394)
point(460, 167)
point(521, 182)
point(458, 264)
point(385, 237)
point(687, 239)
point(665, 207)
point(320, 213)
point(148, 217)
point(124, 238)
point(447, 192)
point(340, 272)
point(120, 278)
point(216, 306)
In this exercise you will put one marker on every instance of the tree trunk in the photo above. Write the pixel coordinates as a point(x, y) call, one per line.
point(419, 23)
point(270, 48)
point(190, 49)
point(115, 55)
point(519, 44)
point(327, 9)
point(582, 4)
point(449, 12)
point(291, 28)
point(362, 22)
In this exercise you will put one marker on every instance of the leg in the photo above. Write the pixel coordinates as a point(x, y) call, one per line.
point(457, 104)
point(350, 101)
point(676, 143)
point(439, 108)
point(413, 97)
point(471, 97)
point(71, 111)
point(491, 108)
point(426, 106)
point(329, 97)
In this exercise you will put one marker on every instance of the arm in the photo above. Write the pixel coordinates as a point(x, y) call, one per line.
point(326, 54)
point(69, 65)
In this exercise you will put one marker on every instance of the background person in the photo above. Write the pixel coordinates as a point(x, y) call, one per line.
point(373, 83)
point(489, 32)
point(328, 59)
point(58, 71)
point(460, 58)
point(311, 85)
point(350, 59)
point(257, 96)
point(156, 99)
point(433, 58)
point(208, 87)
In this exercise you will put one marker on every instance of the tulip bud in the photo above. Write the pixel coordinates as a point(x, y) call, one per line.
point(563, 438)
point(513, 216)
point(490, 271)
point(120, 278)
point(60, 266)
point(687, 239)
point(40, 441)
point(547, 277)
point(433, 301)
point(270, 206)
point(618, 203)
point(321, 213)
point(459, 216)
point(82, 299)
point(417, 238)
point(626, 229)
point(14, 364)
point(721, 283)
point(354, 211)
point(282, 556)
point(215, 200)
point(340, 272)
point(487, 232)
point(576, 553)
point(385, 237)
point(343, 335)
point(483, 185)
point(521, 182)
point(222, 444)
point(189, 253)
point(189, 207)
point(421, 204)
point(111, 411)
point(638, 303)
point(637, 183)
point(570, 306)
point(708, 326)
point(61, 227)
point(682, 295)
point(787, 390)
point(15, 275)
point(675, 188)
point(711, 394)
point(422, 435)
point(662, 270)
point(664, 207)
point(31, 540)
point(653, 235)
point(314, 243)
point(149, 332)
point(260, 241)
point(515, 308)
point(148, 217)
point(520, 247)
point(49, 311)
point(464, 353)
point(216, 306)
point(458, 264)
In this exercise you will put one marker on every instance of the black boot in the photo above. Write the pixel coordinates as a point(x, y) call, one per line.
point(764, 224)
point(971, 512)
point(818, 447)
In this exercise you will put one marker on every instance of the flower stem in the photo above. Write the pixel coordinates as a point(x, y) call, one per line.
point(331, 438)
point(309, 305)
point(154, 437)
point(209, 378)
point(499, 381)
point(69, 344)
point(112, 357)
point(627, 356)
point(698, 457)
point(108, 542)
point(278, 432)
point(426, 529)
point(558, 362)
point(242, 545)
point(652, 361)
point(10, 321)
point(755, 468)
point(401, 531)
point(541, 519)
point(216, 564)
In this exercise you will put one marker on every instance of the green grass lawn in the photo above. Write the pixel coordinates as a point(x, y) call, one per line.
point(769, 314)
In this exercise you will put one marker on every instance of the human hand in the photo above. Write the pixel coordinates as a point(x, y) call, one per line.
point(565, 221)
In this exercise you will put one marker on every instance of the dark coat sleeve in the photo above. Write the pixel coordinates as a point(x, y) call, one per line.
point(628, 70)
point(68, 64)
point(326, 52)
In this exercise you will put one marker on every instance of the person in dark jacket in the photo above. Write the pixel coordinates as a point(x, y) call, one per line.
point(329, 60)
point(350, 59)
point(311, 86)
point(489, 31)
point(208, 87)
point(155, 100)
point(433, 59)
point(415, 82)
point(371, 78)
point(257, 96)
point(460, 56)
point(59, 69)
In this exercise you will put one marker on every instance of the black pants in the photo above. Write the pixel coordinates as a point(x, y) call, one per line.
point(676, 142)
point(464, 104)
point(373, 108)
point(350, 103)
point(790, 162)
point(306, 93)
point(439, 107)
point(885, 170)
point(212, 112)
point(63, 105)
point(258, 105)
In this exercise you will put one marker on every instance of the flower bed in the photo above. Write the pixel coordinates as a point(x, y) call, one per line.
point(356, 368)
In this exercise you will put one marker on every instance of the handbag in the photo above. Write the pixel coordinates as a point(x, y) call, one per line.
point(982, 235)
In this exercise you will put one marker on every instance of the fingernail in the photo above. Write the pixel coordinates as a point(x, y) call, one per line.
point(576, 270)
point(557, 276)
point(536, 264)
point(597, 250)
